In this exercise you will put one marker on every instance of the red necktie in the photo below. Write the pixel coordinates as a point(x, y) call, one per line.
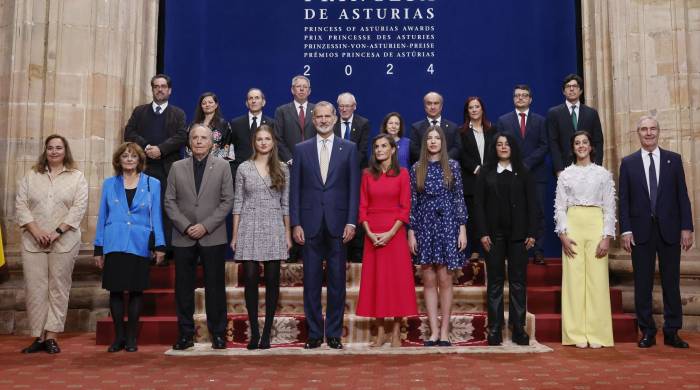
point(522, 124)
point(301, 120)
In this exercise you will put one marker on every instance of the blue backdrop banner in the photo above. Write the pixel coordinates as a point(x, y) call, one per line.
point(388, 53)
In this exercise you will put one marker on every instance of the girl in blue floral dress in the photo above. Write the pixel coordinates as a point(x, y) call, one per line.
point(437, 236)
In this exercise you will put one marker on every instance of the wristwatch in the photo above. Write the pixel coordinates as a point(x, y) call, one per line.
point(59, 231)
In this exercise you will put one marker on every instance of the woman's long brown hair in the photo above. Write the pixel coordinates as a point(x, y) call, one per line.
point(42, 164)
point(274, 165)
point(422, 166)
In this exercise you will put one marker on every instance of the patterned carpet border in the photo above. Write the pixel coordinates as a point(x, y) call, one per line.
point(204, 349)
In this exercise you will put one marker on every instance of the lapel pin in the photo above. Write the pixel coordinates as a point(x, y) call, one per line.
point(668, 161)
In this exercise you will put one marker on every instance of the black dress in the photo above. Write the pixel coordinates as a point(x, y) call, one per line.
point(125, 271)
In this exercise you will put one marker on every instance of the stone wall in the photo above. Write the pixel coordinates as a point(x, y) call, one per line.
point(73, 67)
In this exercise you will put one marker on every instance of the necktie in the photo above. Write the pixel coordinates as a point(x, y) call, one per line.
point(324, 160)
point(574, 117)
point(653, 185)
point(158, 109)
point(254, 125)
point(434, 122)
point(347, 130)
point(522, 124)
point(302, 120)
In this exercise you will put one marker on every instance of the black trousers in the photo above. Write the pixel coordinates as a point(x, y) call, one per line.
point(643, 262)
point(503, 248)
point(212, 258)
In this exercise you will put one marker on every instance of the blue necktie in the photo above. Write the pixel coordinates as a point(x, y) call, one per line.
point(158, 109)
point(347, 130)
point(653, 185)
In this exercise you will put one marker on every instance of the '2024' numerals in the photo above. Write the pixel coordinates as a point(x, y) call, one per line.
point(347, 70)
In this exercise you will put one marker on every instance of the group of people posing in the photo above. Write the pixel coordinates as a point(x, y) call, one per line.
point(309, 181)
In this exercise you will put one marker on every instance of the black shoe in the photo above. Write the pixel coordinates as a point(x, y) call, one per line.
point(253, 343)
point(218, 342)
point(131, 346)
point(538, 259)
point(183, 343)
point(444, 343)
point(52, 346)
point(264, 341)
point(431, 343)
point(116, 346)
point(675, 341)
point(334, 342)
point(494, 338)
point(313, 343)
point(521, 338)
point(35, 346)
point(647, 341)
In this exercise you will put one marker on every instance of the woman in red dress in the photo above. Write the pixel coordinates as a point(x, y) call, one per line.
point(386, 288)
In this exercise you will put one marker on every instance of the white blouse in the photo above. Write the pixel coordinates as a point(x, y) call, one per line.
point(590, 185)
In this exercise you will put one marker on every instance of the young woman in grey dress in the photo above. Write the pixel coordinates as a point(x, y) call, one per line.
point(261, 231)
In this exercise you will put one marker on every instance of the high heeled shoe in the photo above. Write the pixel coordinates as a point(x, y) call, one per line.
point(264, 341)
point(254, 342)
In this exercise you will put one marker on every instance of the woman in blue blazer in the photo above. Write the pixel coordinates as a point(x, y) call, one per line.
point(129, 232)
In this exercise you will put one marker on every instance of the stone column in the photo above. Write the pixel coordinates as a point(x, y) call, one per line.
point(643, 57)
point(73, 67)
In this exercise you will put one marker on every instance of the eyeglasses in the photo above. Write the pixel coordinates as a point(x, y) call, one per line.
point(521, 95)
point(571, 86)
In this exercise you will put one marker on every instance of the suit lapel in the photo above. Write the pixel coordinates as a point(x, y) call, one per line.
point(515, 122)
point(120, 194)
point(335, 157)
point(315, 165)
point(141, 191)
point(189, 176)
point(664, 165)
point(640, 171)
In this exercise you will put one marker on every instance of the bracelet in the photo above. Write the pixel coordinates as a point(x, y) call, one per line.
point(59, 231)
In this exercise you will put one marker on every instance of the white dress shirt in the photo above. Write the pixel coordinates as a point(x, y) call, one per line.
point(656, 153)
point(342, 125)
point(296, 107)
point(578, 107)
point(329, 145)
point(163, 106)
point(257, 120)
point(438, 120)
point(590, 185)
point(527, 115)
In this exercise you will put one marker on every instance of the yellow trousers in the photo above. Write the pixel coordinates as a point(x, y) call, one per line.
point(585, 295)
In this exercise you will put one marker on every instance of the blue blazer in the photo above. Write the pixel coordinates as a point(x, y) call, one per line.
point(121, 228)
point(672, 204)
point(534, 146)
point(310, 201)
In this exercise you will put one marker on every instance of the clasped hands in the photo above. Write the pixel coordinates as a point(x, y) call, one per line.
point(153, 152)
point(196, 231)
point(42, 238)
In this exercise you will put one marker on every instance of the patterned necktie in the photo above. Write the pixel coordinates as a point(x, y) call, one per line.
point(574, 117)
point(158, 109)
point(347, 130)
point(653, 184)
point(324, 160)
point(522, 124)
point(302, 120)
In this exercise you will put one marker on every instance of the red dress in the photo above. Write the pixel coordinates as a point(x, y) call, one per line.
point(386, 287)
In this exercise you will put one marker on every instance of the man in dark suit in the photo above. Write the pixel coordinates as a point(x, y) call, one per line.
point(351, 126)
point(655, 219)
point(432, 103)
point(159, 128)
point(354, 128)
point(244, 126)
point(198, 199)
point(293, 120)
point(323, 204)
point(565, 119)
point(528, 129)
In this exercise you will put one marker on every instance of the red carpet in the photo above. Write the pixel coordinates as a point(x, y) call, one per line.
point(84, 365)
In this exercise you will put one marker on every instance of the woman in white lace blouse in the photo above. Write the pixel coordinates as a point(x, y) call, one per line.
point(584, 212)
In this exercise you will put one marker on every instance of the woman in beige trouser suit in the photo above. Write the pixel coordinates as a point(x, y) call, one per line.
point(51, 201)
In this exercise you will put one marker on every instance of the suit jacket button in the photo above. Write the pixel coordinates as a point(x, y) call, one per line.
point(196, 205)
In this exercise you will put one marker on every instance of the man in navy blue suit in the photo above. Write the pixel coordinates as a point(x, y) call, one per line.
point(655, 219)
point(323, 203)
point(529, 129)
